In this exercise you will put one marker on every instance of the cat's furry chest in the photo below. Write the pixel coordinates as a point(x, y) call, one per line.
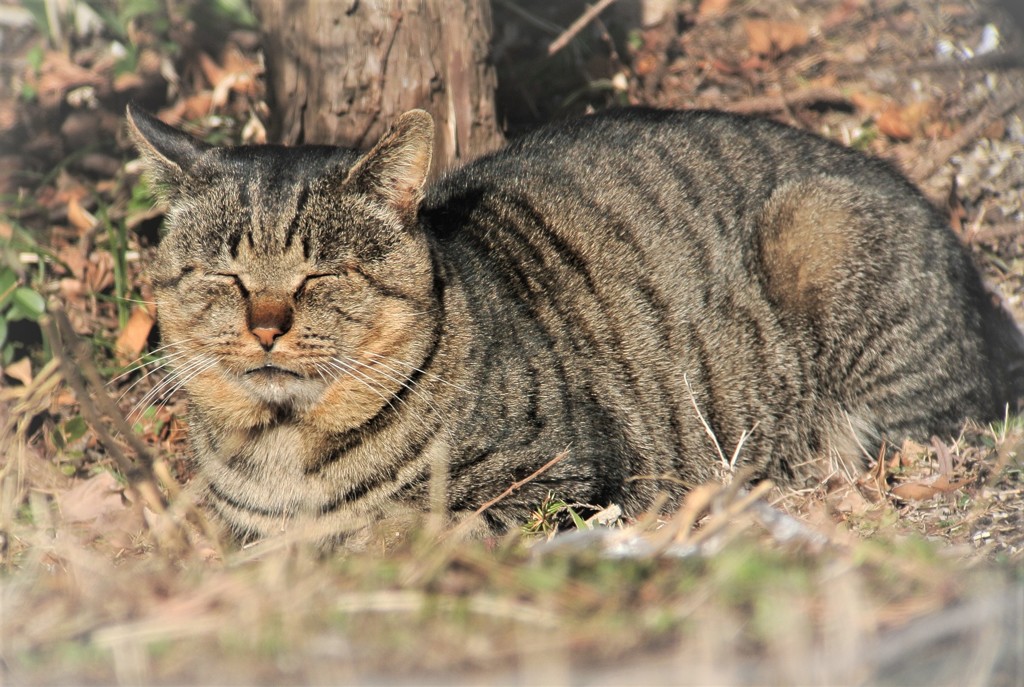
point(265, 465)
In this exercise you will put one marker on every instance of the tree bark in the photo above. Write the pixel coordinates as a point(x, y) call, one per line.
point(340, 71)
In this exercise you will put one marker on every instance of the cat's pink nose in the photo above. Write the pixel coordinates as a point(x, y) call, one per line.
point(266, 335)
point(269, 318)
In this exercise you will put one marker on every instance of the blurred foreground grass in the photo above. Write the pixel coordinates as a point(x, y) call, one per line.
point(92, 593)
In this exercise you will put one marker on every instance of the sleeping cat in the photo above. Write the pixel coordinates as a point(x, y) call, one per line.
point(653, 293)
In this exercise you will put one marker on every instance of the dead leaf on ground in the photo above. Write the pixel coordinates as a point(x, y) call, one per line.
point(851, 501)
point(20, 370)
point(769, 37)
point(910, 454)
point(73, 290)
point(99, 504)
point(712, 8)
point(79, 217)
point(99, 272)
point(68, 188)
point(921, 491)
point(128, 81)
point(196, 106)
point(842, 14)
point(903, 123)
point(58, 74)
point(212, 72)
point(244, 70)
point(132, 338)
point(869, 103)
point(92, 498)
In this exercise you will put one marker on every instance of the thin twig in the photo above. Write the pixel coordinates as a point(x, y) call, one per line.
point(516, 485)
point(744, 435)
point(133, 472)
point(1005, 102)
point(767, 104)
point(105, 404)
point(707, 427)
point(80, 373)
point(720, 521)
point(456, 533)
point(577, 26)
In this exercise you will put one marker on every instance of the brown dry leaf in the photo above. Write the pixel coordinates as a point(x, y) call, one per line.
point(99, 503)
point(841, 14)
point(914, 491)
point(73, 258)
point(197, 106)
point(723, 67)
point(869, 103)
point(909, 454)
point(919, 491)
point(852, 501)
point(243, 70)
point(99, 271)
point(58, 74)
point(68, 188)
point(73, 290)
point(824, 81)
point(768, 37)
point(95, 497)
point(645, 64)
point(80, 218)
point(995, 131)
point(712, 8)
point(20, 370)
point(133, 337)
point(902, 123)
point(752, 64)
point(128, 81)
point(212, 71)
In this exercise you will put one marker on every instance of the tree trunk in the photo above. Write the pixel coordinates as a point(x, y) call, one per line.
point(339, 72)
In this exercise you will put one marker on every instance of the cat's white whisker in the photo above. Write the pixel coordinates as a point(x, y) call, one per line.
point(360, 377)
point(140, 362)
point(319, 370)
point(170, 380)
point(183, 379)
point(406, 382)
point(412, 367)
point(159, 365)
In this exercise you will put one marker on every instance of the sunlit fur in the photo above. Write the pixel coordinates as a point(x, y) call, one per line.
point(655, 294)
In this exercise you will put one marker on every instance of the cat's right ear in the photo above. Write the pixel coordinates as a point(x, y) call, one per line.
point(167, 153)
point(396, 169)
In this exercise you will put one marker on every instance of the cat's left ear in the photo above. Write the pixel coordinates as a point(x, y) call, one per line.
point(396, 168)
point(167, 153)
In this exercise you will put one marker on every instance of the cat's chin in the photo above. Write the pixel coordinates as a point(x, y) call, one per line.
point(280, 387)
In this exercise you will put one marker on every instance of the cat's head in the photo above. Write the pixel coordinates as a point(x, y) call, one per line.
point(292, 278)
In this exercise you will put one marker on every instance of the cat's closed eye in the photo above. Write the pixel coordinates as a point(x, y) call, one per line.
point(231, 279)
point(310, 279)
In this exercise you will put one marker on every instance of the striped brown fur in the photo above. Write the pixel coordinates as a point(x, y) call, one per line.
point(604, 287)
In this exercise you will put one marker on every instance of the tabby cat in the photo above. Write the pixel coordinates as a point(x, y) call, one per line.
point(652, 293)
